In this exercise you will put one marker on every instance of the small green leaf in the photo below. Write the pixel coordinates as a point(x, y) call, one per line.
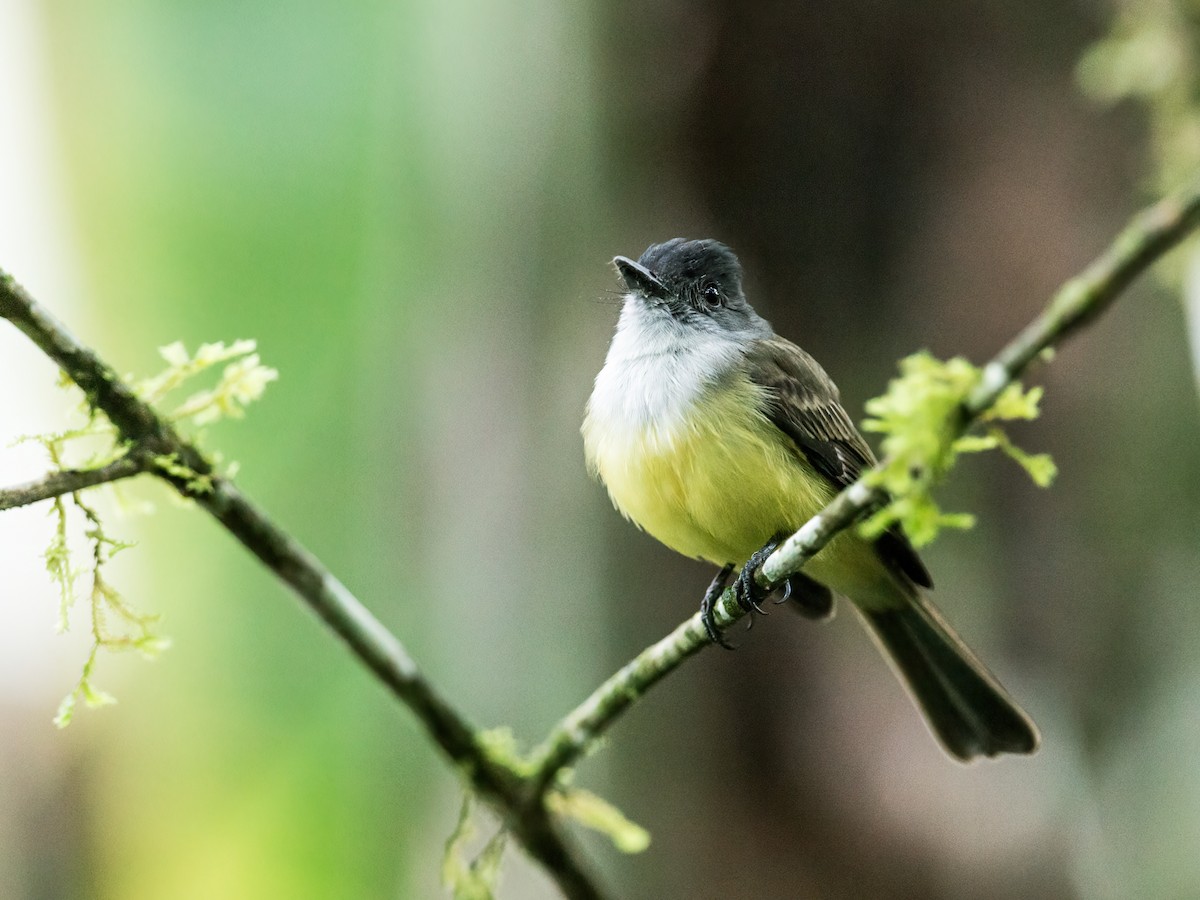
point(922, 519)
point(486, 866)
point(1015, 402)
point(463, 831)
point(1040, 466)
point(66, 711)
point(596, 813)
point(961, 521)
point(474, 880)
point(501, 747)
point(93, 696)
point(878, 522)
point(151, 646)
point(976, 443)
point(175, 354)
point(1042, 469)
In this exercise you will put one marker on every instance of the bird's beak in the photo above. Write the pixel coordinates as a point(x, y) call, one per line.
point(639, 278)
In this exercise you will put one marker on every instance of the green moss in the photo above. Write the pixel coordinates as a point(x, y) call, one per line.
point(920, 418)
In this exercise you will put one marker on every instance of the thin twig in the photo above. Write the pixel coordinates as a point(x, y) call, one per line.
point(69, 481)
point(377, 648)
point(1148, 236)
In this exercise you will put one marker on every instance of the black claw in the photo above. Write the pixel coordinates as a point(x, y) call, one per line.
point(811, 599)
point(710, 599)
point(714, 635)
point(747, 592)
point(787, 592)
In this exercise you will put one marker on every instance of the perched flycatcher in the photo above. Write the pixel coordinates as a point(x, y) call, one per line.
point(719, 438)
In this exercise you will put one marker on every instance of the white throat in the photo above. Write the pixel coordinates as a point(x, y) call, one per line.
point(655, 370)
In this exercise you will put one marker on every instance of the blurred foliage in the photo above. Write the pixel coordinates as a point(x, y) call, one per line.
point(1152, 54)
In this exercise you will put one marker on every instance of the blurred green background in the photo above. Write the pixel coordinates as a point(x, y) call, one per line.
point(412, 207)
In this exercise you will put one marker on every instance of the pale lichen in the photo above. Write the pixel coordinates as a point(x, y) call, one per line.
point(596, 813)
point(471, 879)
point(114, 624)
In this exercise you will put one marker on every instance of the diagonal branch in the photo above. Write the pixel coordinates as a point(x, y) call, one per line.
point(377, 648)
point(1148, 236)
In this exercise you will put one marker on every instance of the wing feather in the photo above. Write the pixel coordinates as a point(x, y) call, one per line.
point(806, 407)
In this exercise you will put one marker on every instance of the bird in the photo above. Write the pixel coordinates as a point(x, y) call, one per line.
point(720, 438)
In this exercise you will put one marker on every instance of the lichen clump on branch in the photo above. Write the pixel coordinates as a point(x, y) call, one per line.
point(113, 622)
point(920, 418)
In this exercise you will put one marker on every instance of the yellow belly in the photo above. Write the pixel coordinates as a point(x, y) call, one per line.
point(722, 482)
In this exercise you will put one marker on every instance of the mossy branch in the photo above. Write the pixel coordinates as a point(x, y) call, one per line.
point(161, 450)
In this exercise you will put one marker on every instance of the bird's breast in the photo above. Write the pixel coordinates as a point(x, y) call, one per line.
point(696, 463)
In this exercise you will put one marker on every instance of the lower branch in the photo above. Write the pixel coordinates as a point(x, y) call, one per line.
point(376, 647)
point(571, 737)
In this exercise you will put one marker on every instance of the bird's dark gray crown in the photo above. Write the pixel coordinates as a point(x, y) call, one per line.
point(680, 262)
point(700, 288)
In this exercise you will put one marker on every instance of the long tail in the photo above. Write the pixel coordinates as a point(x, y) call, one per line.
point(968, 710)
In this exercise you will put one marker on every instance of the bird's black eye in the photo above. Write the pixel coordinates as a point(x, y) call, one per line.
point(711, 295)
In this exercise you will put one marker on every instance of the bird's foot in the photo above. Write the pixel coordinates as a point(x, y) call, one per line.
point(749, 594)
point(812, 599)
point(710, 599)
